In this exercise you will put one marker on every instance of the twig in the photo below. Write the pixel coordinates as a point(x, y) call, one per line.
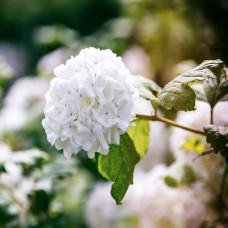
point(203, 154)
point(170, 122)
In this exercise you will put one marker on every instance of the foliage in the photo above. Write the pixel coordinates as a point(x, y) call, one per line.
point(212, 92)
point(193, 144)
point(118, 166)
point(139, 134)
point(217, 136)
point(179, 95)
point(41, 188)
point(147, 89)
point(181, 175)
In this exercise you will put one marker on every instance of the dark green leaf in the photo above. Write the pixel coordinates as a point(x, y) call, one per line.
point(6, 215)
point(211, 92)
point(118, 166)
point(40, 201)
point(217, 136)
point(148, 89)
point(179, 95)
point(140, 136)
point(2, 168)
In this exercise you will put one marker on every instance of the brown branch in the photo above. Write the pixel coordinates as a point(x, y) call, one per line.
point(204, 153)
point(170, 122)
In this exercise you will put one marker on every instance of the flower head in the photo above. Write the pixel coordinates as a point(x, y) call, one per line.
point(90, 103)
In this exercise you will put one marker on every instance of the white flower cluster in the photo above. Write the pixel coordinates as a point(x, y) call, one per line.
point(17, 185)
point(90, 103)
point(23, 100)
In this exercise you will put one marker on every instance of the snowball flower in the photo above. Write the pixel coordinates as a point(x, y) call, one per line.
point(90, 103)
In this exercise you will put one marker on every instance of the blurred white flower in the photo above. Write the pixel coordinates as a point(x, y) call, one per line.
point(6, 71)
point(101, 210)
point(157, 152)
point(24, 94)
point(183, 66)
point(90, 103)
point(13, 176)
point(197, 119)
point(148, 203)
point(13, 180)
point(51, 34)
point(15, 56)
point(49, 61)
point(143, 107)
point(138, 62)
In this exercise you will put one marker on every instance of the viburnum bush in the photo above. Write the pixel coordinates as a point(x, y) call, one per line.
point(91, 107)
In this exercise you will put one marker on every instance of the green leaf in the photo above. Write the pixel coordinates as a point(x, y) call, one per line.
point(179, 95)
point(118, 166)
point(148, 89)
point(189, 176)
point(40, 201)
point(140, 136)
point(180, 174)
point(193, 144)
point(7, 216)
point(170, 181)
point(217, 136)
point(2, 168)
point(212, 92)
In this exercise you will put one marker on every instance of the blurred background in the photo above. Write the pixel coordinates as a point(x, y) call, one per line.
point(157, 39)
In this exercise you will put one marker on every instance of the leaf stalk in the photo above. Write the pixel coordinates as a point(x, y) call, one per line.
point(212, 116)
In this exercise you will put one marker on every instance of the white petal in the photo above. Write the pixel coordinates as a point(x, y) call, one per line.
point(90, 103)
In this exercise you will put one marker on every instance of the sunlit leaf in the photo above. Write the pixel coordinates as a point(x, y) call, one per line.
point(118, 166)
point(179, 95)
point(193, 144)
point(140, 136)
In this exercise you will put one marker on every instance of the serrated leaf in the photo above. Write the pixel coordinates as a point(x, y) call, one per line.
point(211, 92)
point(148, 89)
point(217, 136)
point(140, 136)
point(179, 95)
point(193, 144)
point(118, 166)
